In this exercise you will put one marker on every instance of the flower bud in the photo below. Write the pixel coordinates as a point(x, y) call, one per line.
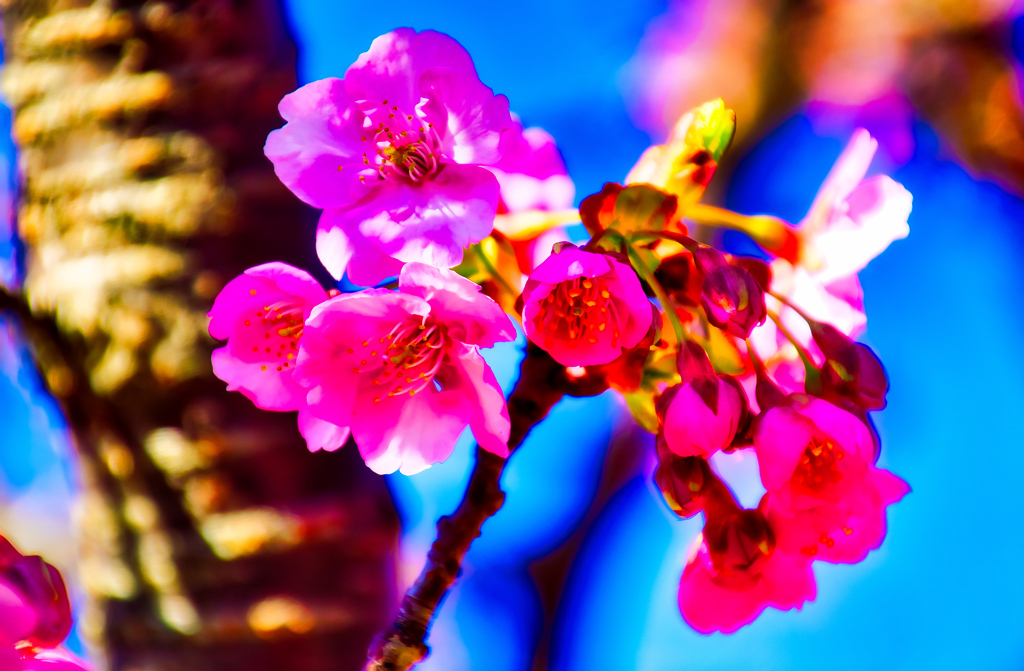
point(851, 370)
point(43, 589)
point(733, 300)
point(704, 411)
point(681, 481)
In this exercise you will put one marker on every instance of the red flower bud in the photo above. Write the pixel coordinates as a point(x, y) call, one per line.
point(851, 370)
point(682, 483)
point(733, 300)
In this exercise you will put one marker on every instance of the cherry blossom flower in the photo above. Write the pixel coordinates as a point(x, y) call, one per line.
point(734, 572)
point(261, 313)
point(392, 153)
point(403, 368)
point(827, 500)
point(584, 308)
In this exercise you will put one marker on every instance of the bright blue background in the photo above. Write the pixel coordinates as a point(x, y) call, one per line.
point(945, 591)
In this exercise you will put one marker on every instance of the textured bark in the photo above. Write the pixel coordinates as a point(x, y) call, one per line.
point(211, 538)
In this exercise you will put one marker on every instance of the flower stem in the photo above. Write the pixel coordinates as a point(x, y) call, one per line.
point(659, 293)
point(542, 383)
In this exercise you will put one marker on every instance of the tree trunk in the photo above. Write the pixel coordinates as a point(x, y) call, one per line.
point(212, 539)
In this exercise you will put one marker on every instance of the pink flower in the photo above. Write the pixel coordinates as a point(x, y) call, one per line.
point(261, 314)
point(734, 572)
point(584, 308)
point(851, 221)
point(827, 500)
point(403, 370)
point(704, 411)
point(532, 173)
point(393, 154)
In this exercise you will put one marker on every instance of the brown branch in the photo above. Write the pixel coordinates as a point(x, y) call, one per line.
point(542, 383)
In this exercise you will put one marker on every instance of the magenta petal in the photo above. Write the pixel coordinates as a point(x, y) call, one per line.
point(17, 619)
point(472, 377)
point(431, 222)
point(473, 318)
point(532, 173)
point(319, 434)
point(780, 437)
point(409, 434)
point(785, 583)
point(391, 68)
point(318, 154)
point(346, 250)
point(569, 263)
point(477, 121)
point(845, 427)
point(635, 305)
point(848, 170)
point(325, 366)
point(692, 429)
point(258, 359)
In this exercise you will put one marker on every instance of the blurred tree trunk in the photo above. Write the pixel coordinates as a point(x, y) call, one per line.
point(211, 538)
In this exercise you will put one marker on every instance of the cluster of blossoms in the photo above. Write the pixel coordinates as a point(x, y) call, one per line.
point(35, 614)
point(424, 175)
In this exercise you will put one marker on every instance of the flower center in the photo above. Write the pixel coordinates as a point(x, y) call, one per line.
point(407, 149)
point(579, 309)
point(406, 360)
point(284, 319)
point(818, 467)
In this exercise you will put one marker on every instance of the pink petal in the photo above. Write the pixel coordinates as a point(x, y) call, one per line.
point(324, 133)
point(532, 173)
point(325, 366)
point(476, 120)
point(238, 315)
point(847, 172)
point(431, 222)
point(691, 429)
point(890, 487)
point(780, 438)
point(338, 247)
point(843, 426)
point(409, 434)
point(321, 435)
point(877, 212)
point(392, 66)
point(17, 619)
point(472, 317)
point(785, 583)
point(570, 263)
point(632, 302)
point(473, 378)
point(53, 660)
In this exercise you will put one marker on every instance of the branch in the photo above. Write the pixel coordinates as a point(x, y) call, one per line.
point(542, 383)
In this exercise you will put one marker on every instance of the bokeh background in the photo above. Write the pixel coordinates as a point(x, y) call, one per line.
point(580, 569)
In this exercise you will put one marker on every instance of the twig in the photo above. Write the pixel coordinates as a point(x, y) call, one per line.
point(542, 383)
